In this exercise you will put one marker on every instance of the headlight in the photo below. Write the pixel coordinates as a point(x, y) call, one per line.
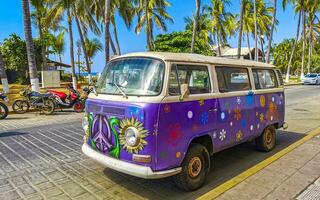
point(85, 122)
point(132, 136)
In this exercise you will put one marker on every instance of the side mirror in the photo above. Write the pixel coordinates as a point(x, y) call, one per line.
point(184, 88)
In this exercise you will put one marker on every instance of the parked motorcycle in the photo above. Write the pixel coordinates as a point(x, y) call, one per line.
point(74, 100)
point(42, 102)
point(3, 107)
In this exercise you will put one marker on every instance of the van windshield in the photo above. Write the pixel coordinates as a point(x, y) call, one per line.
point(311, 76)
point(133, 77)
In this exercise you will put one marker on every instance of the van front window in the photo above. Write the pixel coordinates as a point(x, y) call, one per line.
point(133, 77)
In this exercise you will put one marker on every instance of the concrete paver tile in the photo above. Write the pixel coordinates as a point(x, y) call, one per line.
point(72, 189)
point(291, 187)
point(26, 189)
point(10, 195)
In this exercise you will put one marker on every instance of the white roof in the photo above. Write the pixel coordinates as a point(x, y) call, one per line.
point(234, 51)
point(196, 58)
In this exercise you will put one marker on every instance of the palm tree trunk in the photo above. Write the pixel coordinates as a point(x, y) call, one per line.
point(195, 24)
point(310, 43)
point(43, 47)
point(218, 42)
point(115, 34)
point(113, 47)
point(148, 25)
point(256, 56)
point(248, 41)
point(3, 76)
point(74, 78)
point(34, 80)
point(272, 30)
point(83, 49)
point(241, 28)
point(303, 43)
point(107, 30)
point(262, 50)
point(293, 49)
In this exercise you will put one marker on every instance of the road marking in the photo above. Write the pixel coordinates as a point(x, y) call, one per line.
point(253, 170)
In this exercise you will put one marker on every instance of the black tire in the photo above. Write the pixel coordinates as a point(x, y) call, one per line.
point(49, 106)
point(20, 106)
point(78, 107)
point(267, 140)
point(4, 111)
point(191, 177)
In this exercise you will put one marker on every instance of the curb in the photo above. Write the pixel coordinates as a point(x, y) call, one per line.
point(216, 192)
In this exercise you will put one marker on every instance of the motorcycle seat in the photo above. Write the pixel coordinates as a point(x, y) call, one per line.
point(61, 95)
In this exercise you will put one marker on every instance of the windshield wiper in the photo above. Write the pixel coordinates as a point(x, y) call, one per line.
point(119, 88)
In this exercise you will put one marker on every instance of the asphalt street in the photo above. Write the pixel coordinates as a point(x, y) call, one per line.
point(40, 157)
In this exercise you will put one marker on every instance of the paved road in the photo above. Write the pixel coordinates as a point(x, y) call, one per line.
point(40, 157)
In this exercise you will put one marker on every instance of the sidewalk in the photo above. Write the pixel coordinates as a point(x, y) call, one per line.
point(293, 176)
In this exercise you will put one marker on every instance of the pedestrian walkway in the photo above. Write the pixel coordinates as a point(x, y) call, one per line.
point(293, 176)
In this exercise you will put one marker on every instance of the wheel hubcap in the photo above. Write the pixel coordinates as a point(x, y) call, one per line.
point(195, 166)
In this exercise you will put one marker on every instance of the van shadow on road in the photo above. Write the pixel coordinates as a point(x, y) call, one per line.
point(224, 166)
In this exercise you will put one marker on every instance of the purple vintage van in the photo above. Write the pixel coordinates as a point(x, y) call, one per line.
point(155, 115)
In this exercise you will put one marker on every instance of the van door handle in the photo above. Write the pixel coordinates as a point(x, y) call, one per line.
point(213, 109)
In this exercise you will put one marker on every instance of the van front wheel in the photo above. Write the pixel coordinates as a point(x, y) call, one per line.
point(267, 140)
point(195, 167)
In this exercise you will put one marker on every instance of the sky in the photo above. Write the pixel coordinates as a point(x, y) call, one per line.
point(11, 21)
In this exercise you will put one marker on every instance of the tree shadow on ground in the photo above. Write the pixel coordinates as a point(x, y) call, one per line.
point(224, 166)
point(9, 134)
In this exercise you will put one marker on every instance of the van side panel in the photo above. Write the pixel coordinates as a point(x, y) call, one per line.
point(228, 121)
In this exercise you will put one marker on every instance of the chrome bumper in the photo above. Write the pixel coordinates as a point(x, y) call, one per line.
point(127, 168)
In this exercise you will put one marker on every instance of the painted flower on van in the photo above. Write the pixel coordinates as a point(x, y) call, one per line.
point(250, 100)
point(239, 136)
point(132, 135)
point(261, 117)
point(204, 118)
point(175, 134)
point(167, 108)
point(262, 101)
point(223, 135)
point(237, 114)
point(238, 100)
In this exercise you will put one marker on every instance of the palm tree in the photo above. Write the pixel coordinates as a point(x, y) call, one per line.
point(34, 80)
point(3, 76)
point(84, 18)
point(58, 45)
point(39, 14)
point(255, 30)
point(61, 7)
point(247, 22)
point(220, 19)
point(274, 17)
point(93, 47)
point(107, 29)
point(298, 8)
point(195, 24)
point(313, 5)
point(152, 13)
point(242, 5)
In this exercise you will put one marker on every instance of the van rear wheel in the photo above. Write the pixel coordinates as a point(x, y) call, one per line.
point(195, 167)
point(267, 140)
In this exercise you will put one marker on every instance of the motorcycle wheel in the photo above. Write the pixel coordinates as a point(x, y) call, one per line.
point(20, 106)
point(48, 107)
point(3, 111)
point(78, 107)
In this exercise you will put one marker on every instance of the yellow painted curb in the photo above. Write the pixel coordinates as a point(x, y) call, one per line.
point(253, 170)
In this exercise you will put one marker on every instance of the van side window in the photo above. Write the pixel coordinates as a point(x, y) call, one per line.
point(197, 78)
point(264, 78)
point(231, 79)
point(280, 77)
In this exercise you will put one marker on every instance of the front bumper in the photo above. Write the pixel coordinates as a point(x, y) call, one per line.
point(127, 168)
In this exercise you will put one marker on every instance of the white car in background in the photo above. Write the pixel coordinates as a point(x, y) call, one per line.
point(311, 79)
